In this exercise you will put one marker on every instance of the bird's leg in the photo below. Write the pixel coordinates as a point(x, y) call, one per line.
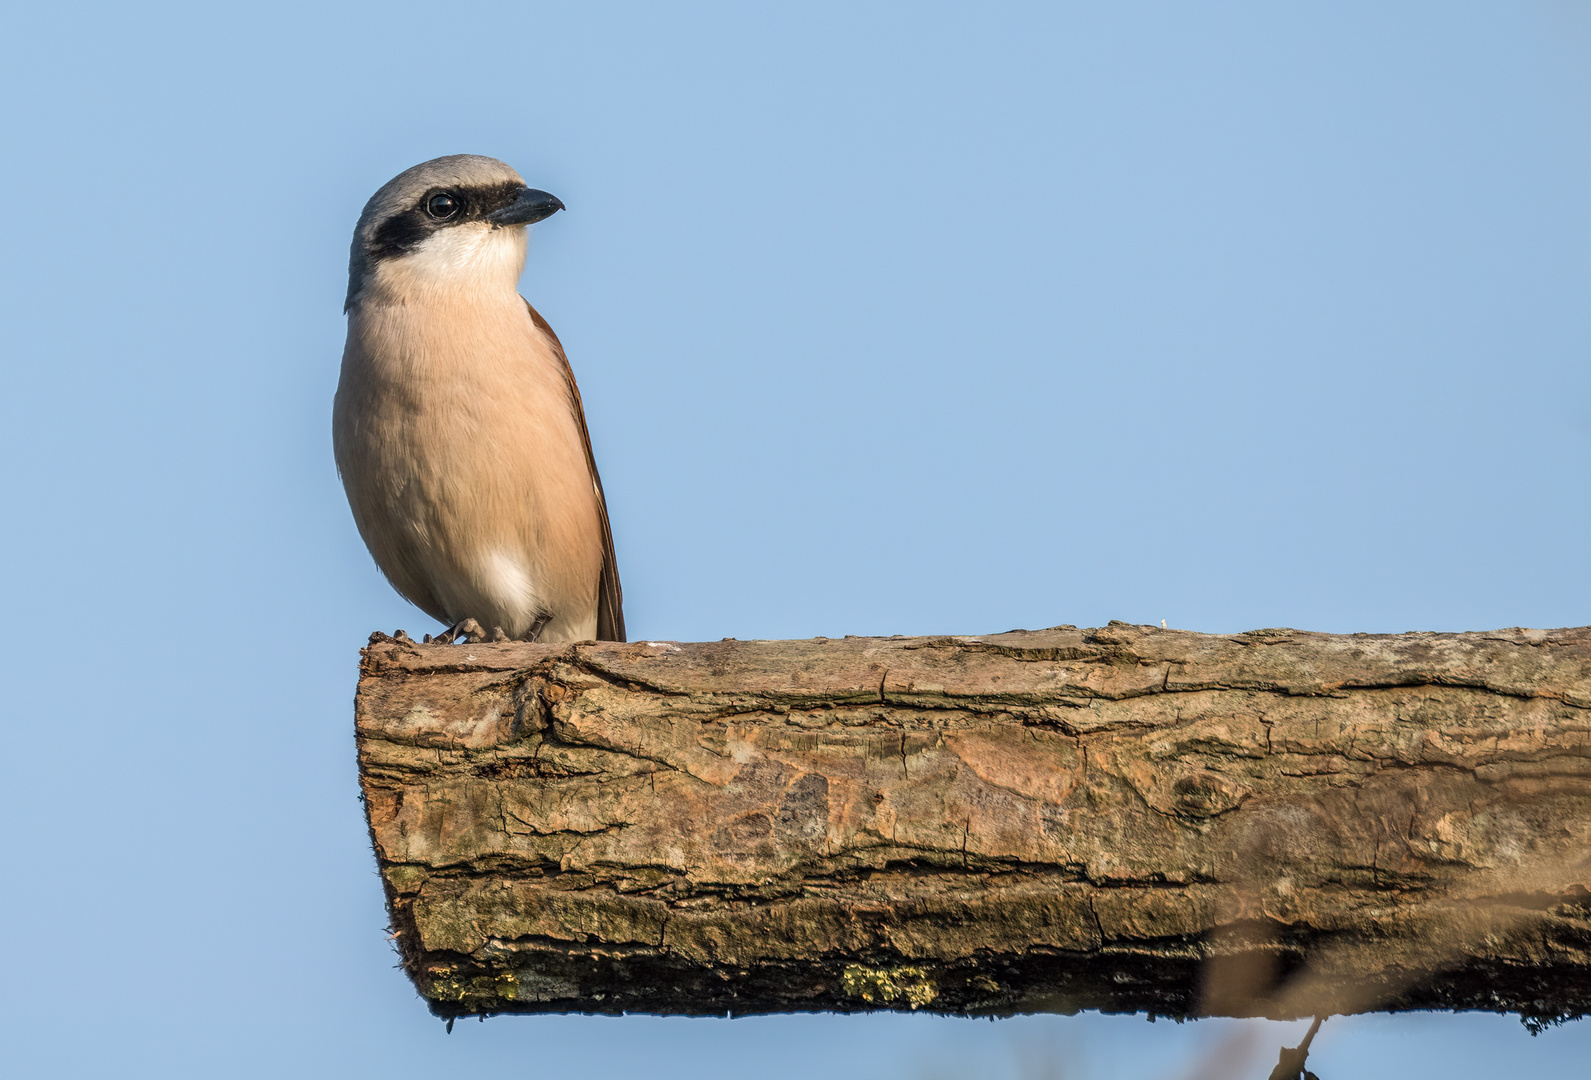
point(537, 627)
point(463, 628)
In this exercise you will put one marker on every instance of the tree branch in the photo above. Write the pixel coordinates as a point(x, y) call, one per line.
point(1274, 823)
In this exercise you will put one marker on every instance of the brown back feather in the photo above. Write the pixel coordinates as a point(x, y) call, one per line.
point(610, 597)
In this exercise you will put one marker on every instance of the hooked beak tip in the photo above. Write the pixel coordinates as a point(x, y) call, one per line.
point(528, 207)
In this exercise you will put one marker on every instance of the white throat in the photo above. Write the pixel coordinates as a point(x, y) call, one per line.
point(467, 262)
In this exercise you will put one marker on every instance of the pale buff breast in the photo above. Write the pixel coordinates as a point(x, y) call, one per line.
point(465, 466)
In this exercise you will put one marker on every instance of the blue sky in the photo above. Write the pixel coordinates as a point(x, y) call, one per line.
point(889, 319)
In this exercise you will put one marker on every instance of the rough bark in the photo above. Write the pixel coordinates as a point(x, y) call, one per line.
point(1273, 823)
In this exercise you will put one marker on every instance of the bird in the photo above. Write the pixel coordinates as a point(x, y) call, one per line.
point(457, 426)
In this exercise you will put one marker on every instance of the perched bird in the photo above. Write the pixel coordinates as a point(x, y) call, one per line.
point(458, 428)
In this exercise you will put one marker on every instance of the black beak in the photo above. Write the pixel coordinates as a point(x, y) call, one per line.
point(528, 207)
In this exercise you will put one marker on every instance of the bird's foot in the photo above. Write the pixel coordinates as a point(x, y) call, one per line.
point(464, 628)
point(470, 630)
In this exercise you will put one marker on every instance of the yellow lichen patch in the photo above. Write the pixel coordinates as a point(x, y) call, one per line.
point(884, 986)
point(480, 990)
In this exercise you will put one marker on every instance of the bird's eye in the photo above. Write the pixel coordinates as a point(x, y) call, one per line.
point(441, 205)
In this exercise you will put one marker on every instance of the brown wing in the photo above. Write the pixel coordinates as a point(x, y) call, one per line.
point(610, 597)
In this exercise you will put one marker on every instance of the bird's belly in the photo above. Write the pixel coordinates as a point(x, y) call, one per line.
point(464, 460)
point(499, 532)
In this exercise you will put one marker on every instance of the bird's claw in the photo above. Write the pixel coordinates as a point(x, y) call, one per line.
point(465, 628)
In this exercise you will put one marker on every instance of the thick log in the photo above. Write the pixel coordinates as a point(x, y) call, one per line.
point(1273, 823)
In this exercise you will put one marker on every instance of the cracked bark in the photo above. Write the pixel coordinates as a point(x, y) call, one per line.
point(1275, 823)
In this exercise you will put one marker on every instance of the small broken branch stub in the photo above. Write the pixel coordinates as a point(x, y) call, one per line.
point(1276, 823)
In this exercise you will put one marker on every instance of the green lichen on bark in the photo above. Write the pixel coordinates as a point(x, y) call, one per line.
point(880, 987)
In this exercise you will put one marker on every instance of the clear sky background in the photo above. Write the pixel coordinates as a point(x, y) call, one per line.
point(890, 318)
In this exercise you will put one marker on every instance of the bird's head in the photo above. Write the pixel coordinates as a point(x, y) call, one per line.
point(452, 224)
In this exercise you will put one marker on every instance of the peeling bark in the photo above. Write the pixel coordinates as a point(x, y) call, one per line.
point(1275, 823)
